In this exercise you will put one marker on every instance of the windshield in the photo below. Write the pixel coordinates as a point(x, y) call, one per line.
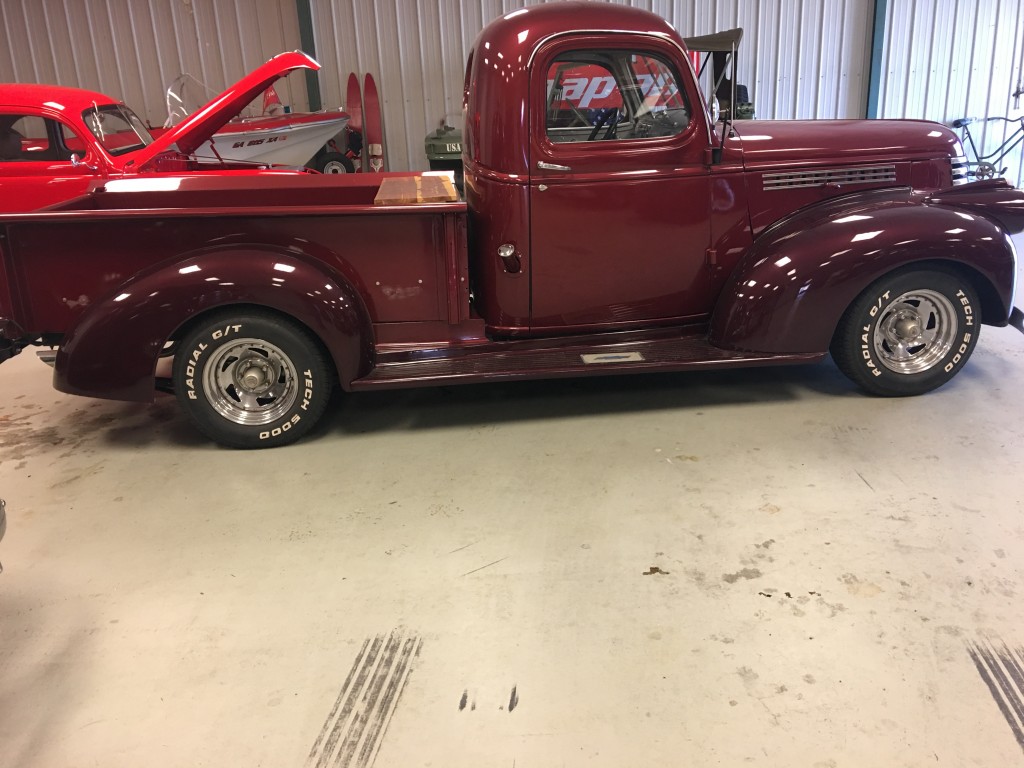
point(117, 128)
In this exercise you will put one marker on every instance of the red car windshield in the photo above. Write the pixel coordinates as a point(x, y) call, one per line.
point(117, 128)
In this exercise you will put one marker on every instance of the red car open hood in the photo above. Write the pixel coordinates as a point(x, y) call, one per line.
point(198, 127)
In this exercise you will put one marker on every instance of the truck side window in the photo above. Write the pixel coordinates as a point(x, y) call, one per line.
point(602, 95)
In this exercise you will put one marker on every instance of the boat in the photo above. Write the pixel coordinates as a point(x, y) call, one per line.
point(276, 137)
point(290, 139)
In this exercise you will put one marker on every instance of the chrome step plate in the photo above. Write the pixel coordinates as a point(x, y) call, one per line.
point(603, 358)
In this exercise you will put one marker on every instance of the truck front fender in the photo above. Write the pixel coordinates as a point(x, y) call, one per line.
point(112, 351)
point(788, 293)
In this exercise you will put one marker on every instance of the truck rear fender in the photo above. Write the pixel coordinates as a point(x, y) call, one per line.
point(112, 351)
point(789, 292)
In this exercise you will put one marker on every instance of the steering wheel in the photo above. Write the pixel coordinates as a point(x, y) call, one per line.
point(609, 116)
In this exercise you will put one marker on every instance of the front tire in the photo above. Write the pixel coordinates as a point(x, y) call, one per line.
point(251, 379)
point(909, 332)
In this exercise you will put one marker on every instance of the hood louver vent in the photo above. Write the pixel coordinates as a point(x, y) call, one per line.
point(961, 170)
point(876, 174)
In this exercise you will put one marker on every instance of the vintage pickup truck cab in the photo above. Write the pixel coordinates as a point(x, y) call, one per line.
point(609, 227)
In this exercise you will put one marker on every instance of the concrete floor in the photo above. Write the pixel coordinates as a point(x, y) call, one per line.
point(725, 568)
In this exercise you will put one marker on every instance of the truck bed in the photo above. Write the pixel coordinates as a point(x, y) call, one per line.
point(59, 262)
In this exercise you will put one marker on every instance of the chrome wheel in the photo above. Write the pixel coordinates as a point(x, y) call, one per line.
point(915, 332)
point(251, 378)
point(908, 332)
point(250, 382)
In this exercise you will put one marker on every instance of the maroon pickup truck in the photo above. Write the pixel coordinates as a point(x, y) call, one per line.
point(610, 226)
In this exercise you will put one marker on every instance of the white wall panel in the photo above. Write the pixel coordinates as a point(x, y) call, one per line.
point(132, 49)
point(800, 58)
point(947, 59)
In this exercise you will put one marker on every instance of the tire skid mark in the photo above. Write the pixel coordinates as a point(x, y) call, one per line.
point(369, 698)
point(1002, 671)
point(354, 729)
point(362, 672)
point(337, 704)
point(396, 686)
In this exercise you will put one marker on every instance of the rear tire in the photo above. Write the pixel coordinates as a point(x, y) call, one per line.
point(251, 379)
point(909, 332)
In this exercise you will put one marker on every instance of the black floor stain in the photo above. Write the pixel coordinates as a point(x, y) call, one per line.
point(354, 729)
point(1002, 670)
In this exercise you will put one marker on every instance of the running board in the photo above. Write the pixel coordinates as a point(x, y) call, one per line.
point(558, 358)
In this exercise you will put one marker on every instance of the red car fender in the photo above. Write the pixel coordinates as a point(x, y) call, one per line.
point(789, 292)
point(112, 351)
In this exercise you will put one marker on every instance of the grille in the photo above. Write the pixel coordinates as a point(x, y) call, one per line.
point(876, 174)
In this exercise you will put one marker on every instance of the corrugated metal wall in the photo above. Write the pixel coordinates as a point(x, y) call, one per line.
point(800, 58)
point(947, 59)
point(133, 49)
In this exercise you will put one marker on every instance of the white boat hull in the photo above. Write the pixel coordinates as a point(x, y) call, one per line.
point(281, 144)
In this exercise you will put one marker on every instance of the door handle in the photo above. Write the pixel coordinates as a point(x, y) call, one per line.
point(552, 166)
point(508, 255)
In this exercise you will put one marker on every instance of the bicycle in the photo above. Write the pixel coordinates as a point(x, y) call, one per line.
point(986, 166)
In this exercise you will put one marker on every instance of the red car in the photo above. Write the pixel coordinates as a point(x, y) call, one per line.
point(55, 142)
